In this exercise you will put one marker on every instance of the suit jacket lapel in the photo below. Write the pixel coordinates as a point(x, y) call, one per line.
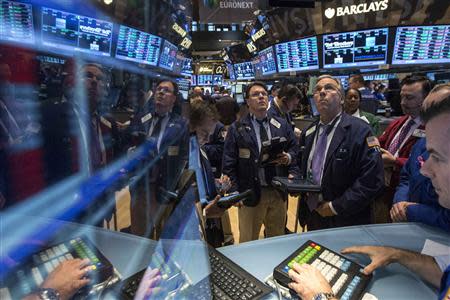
point(338, 137)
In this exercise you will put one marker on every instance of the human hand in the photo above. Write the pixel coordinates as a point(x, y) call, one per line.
point(150, 285)
point(282, 159)
point(68, 277)
point(212, 210)
point(379, 256)
point(307, 281)
point(388, 158)
point(225, 183)
point(324, 210)
point(398, 211)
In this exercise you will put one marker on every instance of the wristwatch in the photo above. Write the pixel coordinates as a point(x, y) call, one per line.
point(324, 296)
point(48, 294)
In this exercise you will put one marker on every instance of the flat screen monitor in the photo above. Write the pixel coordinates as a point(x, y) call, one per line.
point(186, 67)
point(194, 80)
point(231, 71)
point(204, 79)
point(355, 49)
point(168, 57)
point(217, 79)
point(343, 80)
point(422, 45)
point(244, 71)
point(183, 84)
point(68, 31)
point(257, 67)
point(238, 88)
point(138, 46)
point(297, 55)
point(267, 61)
point(240, 98)
point(16, 22)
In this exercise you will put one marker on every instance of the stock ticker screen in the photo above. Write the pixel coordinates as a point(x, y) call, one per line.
point(138, 46)
point(422, 45)
point(168, 57)
point(355, 49)
point(16, 22)
point(68, 31)
point(267, 61)
point(186, 67)
point(297, 55)
point(244, 70)
point(230, 69)
point(204, 79)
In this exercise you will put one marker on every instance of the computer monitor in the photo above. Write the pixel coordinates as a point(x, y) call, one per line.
point(204, 80)
point(244, 71)
point(168, 57)
point(240, 98)
point(238, 88)
point(230, 69)
point(16, 22)
point(355, 49)
point(68, 31)
point(267, 61)
point(343, 80)
point(217, 80)
point(193, 80)
point(138, 46)
point(298, 55)
point(422, 45)
point(257, 67)
point(186, 67)
point(183, 87)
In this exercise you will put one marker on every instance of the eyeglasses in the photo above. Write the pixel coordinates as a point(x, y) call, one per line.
point(257, 94)
point(328, 88)
point(164, 90)
point(91, 76)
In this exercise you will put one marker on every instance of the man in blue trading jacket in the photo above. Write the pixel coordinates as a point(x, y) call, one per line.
point(243, 163)
point(339, 153)
point(309, 283)
point(168, 131)
point(415, 199)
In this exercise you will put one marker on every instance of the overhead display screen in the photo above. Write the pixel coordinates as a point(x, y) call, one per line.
point(244, 71)
point(217, 80)
point(204, 79)
point(69, 31)
point(257, 67)
point(186, 67)
point(355, 49)
point(267, 61)
point(297, 55)
point(138, 46)
point(168, 57)
point(16, 22)
point(230, 69)
point(422, 45)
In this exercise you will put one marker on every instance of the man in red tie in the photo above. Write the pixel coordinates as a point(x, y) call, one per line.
point(399, 138)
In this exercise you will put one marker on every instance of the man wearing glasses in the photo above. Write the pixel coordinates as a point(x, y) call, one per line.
point(339, 153)
point(168, 132)
point(248, 167)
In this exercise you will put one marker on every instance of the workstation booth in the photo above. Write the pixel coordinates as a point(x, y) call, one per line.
point(84, 179)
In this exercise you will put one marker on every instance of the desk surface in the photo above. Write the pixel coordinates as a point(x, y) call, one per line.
point(393, 282)
point(130, 254)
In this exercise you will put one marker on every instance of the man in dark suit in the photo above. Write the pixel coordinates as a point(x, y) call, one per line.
point(167, 132)
point(400, 136)
point(339, 153)
point(76, 138)
point(247, 168)
point(284, 103)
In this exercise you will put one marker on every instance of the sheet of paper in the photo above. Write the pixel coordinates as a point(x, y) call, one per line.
point(433, 248)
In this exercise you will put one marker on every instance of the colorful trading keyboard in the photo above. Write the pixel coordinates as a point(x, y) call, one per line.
point(345, 276)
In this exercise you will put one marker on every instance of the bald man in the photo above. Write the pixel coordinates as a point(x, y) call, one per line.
point(309, 283)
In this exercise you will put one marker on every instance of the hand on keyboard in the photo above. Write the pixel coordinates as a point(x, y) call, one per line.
point(150, 285)
point(308, 281)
